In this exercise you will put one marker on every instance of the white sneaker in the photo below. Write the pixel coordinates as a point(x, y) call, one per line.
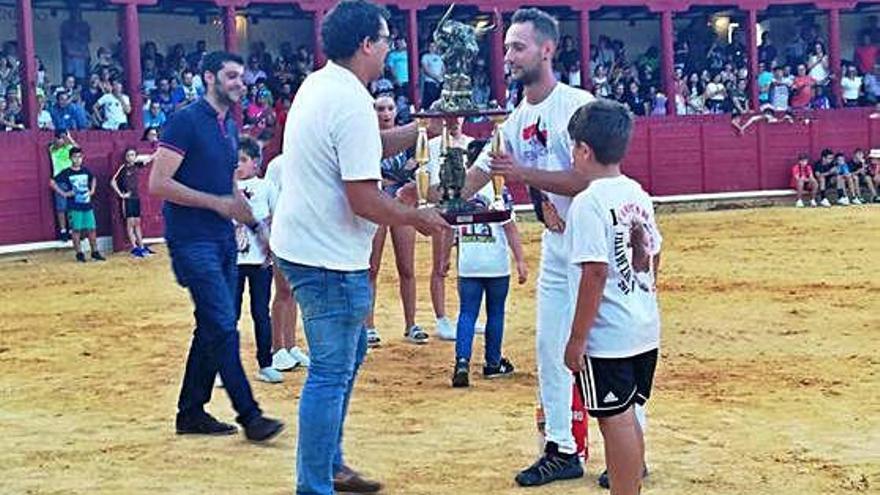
point(218, 383)
point(825, 203)
point(799, 204)
point(373, 338)
point(270, 375)
point(300, 357)
point(813, 203)
point(857, 201)
point(283, 361)
point(444, 329)
point(844, 201)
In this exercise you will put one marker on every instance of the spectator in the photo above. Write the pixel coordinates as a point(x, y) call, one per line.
point(150, 52)
point(821, 100)
point(149, 74)
point(42, 78)
point(619, 93)
point(90, 94)
point(253, 72)
point(850, 186)
point(796, 50)
point(194, 59)
point(861, 174)
point(44, 118)
point(187, 92)
point(802, 88)
point(9, 121)
point(154, 116)
point(715, 94)
point(67, 115)
point(163, 96)
point(766, 52)
point(151, 136)
point(765, 78)
point(658, 104)
point(865, 54)
point(826, 172)
point(77, 184)
point(696, 104)
point(259, 113)
point(76, 34)
point(568, 55)
point(398, 65)
point(817, 64)
point(740, 98)
point(8, 76)
point(106, 62)
point(779, 91)
point(113, 108)
point(636, 101)
point(59, 156)
point(601, 84)
point(871, 84)
point(605, 52)
point(433, 71)
point(851, 87)
point(802, 178)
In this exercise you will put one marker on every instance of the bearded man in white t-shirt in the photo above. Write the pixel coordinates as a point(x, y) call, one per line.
point(323, 229)
point(539, 155)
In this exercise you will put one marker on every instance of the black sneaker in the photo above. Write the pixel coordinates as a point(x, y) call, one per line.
point(204, 424)
point(552, 466)
point(504, 368)
point(605, 481)
point(80, 257)
point(64, 236)
point(97, 256)
point(460, 376)
point(262, 429)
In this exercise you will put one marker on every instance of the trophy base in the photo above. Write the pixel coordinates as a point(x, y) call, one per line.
point(477, 216)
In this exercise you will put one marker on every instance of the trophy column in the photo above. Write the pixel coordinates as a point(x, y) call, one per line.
point(498, 147)
point(423, 156)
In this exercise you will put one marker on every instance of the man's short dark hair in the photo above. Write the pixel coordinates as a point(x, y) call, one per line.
point(74, 151)
point(214, 61)
point(827, 152)
point(605, 126)
point(250, 147)
point(347, 25)
point(545, 24)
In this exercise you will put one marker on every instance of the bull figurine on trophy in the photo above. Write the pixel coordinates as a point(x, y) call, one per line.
point(458, 47)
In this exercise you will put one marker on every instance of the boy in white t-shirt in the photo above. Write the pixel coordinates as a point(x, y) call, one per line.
point(613, 246)
point(484, 267)
point(254, 264)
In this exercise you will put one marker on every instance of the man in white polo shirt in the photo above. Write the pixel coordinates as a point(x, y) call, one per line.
point(323, 228)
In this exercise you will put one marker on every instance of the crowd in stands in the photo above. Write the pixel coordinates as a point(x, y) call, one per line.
point(711, 76)
point(855, 179)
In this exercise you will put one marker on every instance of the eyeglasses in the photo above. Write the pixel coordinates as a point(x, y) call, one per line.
point(384, 37)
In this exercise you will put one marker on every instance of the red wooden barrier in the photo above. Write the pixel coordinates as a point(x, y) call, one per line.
point(668, 155)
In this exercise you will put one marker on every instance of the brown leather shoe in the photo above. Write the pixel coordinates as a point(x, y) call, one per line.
point(347, 480)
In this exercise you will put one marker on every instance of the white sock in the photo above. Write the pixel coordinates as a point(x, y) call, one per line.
point(641, 417)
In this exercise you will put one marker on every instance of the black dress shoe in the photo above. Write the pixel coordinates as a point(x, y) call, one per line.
point(347, 480)
point(204, 424)
point(262, 429)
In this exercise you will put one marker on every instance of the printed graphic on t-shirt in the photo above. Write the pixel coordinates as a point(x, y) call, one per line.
point(634, 241)
point(242, 240)
point(476, 233)
point(79, 184)
point(535, 138)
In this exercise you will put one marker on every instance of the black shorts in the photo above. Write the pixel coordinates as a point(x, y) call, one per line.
point(131, 208)
point(609, 386)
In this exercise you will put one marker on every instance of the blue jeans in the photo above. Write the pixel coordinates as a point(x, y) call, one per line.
point(259, 281)
point(334, 305)
point(208, 270)
point(470, 295)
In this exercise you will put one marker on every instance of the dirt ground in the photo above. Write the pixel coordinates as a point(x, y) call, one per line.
point(768, 382)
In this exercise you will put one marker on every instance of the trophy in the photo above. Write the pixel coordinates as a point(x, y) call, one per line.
point(457, 43)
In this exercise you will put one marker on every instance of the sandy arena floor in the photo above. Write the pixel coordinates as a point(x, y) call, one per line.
point(768, 382)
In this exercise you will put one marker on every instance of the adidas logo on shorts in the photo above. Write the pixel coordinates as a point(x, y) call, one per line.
point(610, 397)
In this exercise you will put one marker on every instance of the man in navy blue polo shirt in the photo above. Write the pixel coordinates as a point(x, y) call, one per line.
point(193, 172)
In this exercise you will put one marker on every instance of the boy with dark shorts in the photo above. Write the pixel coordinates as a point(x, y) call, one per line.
point(861, 175)
point(77, 184)
point(125, 183)
point(613, 246)
point(826, 173)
